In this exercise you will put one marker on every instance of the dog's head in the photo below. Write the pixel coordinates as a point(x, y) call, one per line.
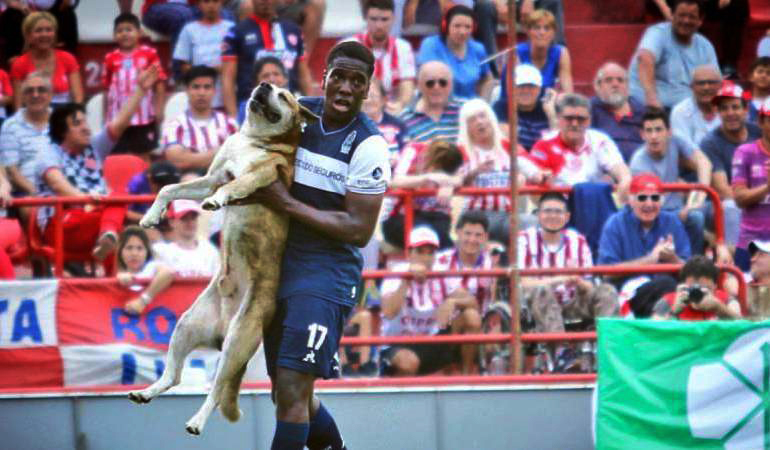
point(274, 117)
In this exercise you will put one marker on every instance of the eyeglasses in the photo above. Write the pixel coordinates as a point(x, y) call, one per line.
point(644, 197)
point(38, 89)
point(578, 119)
point(441, 82)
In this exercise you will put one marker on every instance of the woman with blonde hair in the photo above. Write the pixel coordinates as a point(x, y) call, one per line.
point(40, 55)
point(135, 261)
point(540, 50)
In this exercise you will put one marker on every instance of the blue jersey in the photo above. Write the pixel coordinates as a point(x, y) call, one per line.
point(327, 166)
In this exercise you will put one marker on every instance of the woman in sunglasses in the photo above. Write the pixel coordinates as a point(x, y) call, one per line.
point(455, 47)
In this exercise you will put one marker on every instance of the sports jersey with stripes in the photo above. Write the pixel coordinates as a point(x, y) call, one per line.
point(121, 74)
point(200, 136)
point(392, 63)
point(422, 128)
point(478, 287)
point(418, 314)
point(328, 165)
point(534, 253)
point(498, 176)
point(412, 162)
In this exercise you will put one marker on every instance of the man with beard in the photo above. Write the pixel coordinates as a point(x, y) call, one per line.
point(614, 112)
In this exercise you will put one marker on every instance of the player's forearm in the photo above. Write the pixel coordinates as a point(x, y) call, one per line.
point(339, 225)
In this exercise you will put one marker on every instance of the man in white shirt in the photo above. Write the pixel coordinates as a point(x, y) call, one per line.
point(695, 116)
point(185, 253)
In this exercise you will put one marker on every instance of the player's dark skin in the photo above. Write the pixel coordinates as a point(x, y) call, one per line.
point(345, 89)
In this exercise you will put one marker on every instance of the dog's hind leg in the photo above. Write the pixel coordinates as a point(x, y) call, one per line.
point(196, 328)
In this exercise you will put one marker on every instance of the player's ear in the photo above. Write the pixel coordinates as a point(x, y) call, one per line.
point(306, 115)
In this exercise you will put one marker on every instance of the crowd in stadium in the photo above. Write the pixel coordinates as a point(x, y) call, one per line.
point(678, 113)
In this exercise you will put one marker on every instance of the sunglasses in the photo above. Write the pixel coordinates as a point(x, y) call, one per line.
point(578, 119)
point(38, 89)
point(441, 82)
point(644, 197)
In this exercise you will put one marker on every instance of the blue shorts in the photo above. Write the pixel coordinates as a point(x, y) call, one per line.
point(305, 335)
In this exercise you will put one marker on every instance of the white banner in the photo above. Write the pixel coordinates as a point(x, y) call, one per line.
point(28, 313)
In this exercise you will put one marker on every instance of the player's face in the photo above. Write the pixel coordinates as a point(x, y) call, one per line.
point(43, 35)
point(134, 254)
point(573, 122)
point(78, 135)
point(471, 238)
point(552, 215)
point(613, 86)
point(210, 8)
point(126, 35)
point(733, 114)
point(686, 20)
point(460, 29)
point(272, 74)
point(200, 93)
point(480, 127)
point(378, 23)
point(345, 88)
point(656, 136)
point(646, 205)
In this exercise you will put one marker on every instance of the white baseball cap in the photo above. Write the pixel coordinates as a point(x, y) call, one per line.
point(423, 235)
point(528, 74)
point(181, 207)
point(759, 245)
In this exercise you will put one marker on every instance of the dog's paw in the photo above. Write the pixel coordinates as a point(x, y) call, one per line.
point(150, 219)
point(212, 203)
point(231, 412)
point(139, 397)
point(193, 427)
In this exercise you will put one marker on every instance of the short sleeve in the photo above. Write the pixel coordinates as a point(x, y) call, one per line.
point(9, 147)
point(153, 58)
point(652, 41)
point(6, 88)
point(20, 68)
point(609, 155)
point(683, 148)
point(107, 71)
point(369, 170)
point(68, 62)
point(183, 49)
point(47, 159)
point(639, 163)
point(428, 50)
point(741, 166)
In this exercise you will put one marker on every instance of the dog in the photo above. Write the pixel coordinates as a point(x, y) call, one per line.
point(236, 307)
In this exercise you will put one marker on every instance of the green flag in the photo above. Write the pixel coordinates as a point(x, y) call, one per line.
point(672, 384)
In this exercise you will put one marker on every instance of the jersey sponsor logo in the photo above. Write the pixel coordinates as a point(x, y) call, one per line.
point(347, 144)
point(320, 171)
point(377, 173)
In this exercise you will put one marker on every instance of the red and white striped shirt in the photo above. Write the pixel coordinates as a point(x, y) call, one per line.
point(418, 315)
point(393, 63)
point(478, 287)
point(534, 253)
point(197, 135)
point(498, 176)
point(121, 71)
point(411, 162)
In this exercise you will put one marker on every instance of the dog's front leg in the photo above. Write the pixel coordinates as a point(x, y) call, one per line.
point(196, 189)
point(243, 186)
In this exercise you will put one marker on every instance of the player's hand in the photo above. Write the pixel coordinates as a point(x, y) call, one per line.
point(444, 195)
point(135, 306)
point(275, 196)
point(723, 254)
point(724, 4)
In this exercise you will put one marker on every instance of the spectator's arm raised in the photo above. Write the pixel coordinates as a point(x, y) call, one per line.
point(122, 120)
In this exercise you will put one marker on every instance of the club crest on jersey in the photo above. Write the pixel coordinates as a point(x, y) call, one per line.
point(347, 144)
point(310, 357)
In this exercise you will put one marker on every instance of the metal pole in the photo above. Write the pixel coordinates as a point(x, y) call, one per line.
point(510, 70)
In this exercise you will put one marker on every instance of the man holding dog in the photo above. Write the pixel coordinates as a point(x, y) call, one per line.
point(341, 174)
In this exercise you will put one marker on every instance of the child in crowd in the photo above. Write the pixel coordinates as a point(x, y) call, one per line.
point(759, 76)
point(134, 258)
point(200, 42)
point(6, 94)
point(121, 70)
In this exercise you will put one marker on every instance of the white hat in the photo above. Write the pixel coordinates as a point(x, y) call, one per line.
point(420, 236)
point(181, 207)
point(528, 74)
point(759, 245)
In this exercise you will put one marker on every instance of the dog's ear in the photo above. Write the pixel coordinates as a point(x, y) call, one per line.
point(307, 116)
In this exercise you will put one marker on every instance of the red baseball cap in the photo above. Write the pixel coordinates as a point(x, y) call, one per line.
point(423, 236)
point(645, 182)
point(181, 207)
point(730, 89)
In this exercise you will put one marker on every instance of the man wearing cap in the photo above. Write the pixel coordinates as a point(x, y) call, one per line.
point(696, 115)
point(614, 112)
point(751, 188)
point(536, 114)
point(185, 254)
point(663, 155)
point(759, 279)
point(719, 145)
point(421, 306)
point(640, 233)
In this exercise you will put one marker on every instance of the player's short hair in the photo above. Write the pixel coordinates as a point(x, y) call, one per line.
point(386, 5)
point(473, 218)
point(655, 113)
point(698, 3)
point(762, 61)
point(57, 122)
point(557, 196)
point(353, 50)
point(699, 266)
point(129, 18)
point(199, 72)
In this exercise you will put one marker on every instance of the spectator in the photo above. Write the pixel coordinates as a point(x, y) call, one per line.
point(759, 290)
point(394, 66)
point(641, 233)
point(614, 112)
point(150, 181)
point(185, 254)
point(134, 257)
point(555, 7)
point(553, 60)
point(697, 297)
point(267, 69)
point(11, 35)
point(24, 136)
point(751, 186)
point(763, 48)
point(200, 42)
point(39, 30)
point(661, 69)
point(425, 166)
point(552, 299)
point(391, 128)
point(695, 116)
point(308, 14)
point(72, 166)
point(421, 306)
point(759, 76)
point(455, 47)
point(434, 117)
point(662, 155)
point(470, 252)
point(191, 139)
point(574, 153)
point(719, 145)
point(536, 114)
point(122, 67)
point(253, 38)
point(6, 95)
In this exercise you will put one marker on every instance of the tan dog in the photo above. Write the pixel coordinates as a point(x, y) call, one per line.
point(237, 306)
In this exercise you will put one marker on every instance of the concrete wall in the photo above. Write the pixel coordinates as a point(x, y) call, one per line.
point(461, 418)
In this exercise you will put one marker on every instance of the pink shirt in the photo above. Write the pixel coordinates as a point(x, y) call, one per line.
point(749, 171)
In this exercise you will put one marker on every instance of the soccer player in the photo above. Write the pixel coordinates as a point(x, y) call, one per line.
point(340, 177)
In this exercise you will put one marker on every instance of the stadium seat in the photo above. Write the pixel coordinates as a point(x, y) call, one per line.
point(119, 169)
point(94, 112)
point(42, 255)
